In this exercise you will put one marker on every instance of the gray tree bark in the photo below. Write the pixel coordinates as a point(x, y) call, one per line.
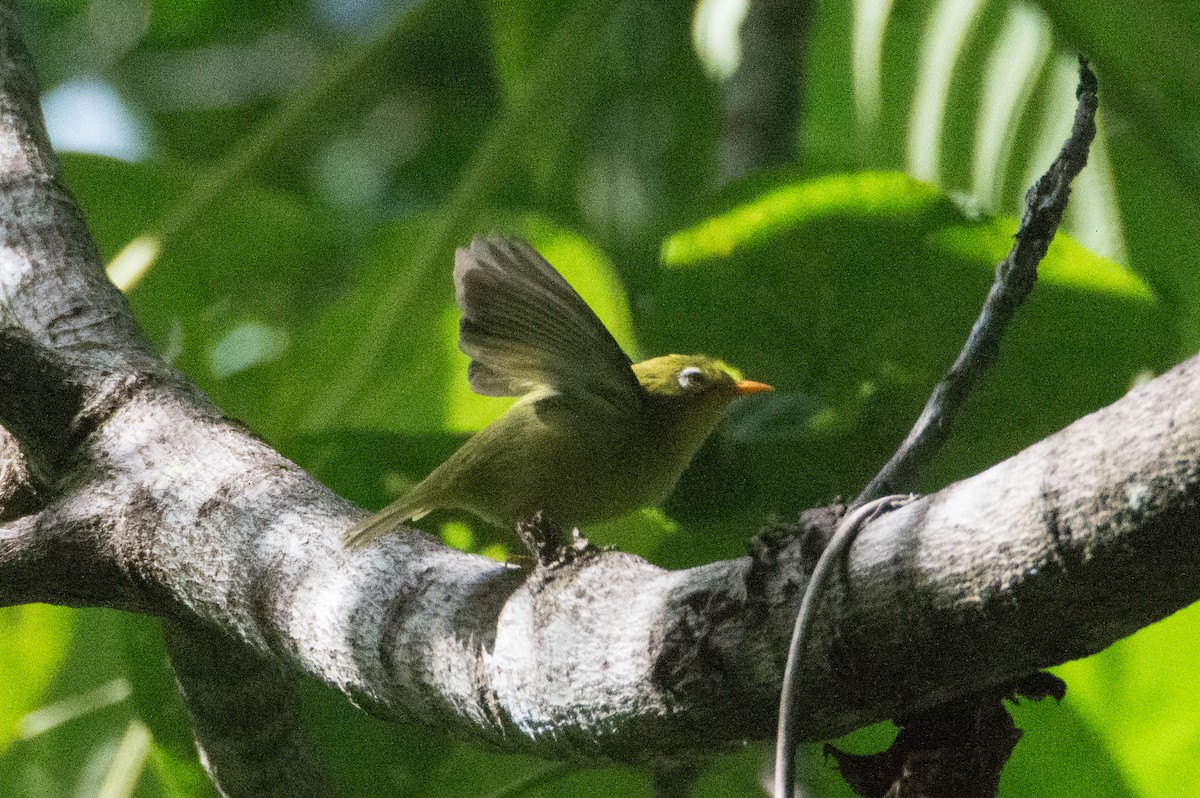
point(121, 485)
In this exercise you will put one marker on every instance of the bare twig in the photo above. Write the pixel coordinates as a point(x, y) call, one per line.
point(1015, 276)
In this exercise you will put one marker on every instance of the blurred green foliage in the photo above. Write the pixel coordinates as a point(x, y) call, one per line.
point(307, 170)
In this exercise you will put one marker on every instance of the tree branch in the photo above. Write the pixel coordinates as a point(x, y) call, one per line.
point(1048, 556)
point(166, 507)
point(245, 714)
point(1015, 275)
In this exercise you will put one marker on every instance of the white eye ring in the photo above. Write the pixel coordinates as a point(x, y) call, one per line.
point(690, 377)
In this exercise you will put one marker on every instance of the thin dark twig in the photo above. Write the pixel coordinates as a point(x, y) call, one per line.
point(1015, 276)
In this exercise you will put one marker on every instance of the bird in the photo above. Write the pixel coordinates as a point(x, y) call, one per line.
point(592, 435)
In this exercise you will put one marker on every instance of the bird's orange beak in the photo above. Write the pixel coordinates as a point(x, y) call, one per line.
point(750, 386)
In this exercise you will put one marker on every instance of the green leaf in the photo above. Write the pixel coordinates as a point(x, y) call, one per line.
point(1060, 751)
point(852, 294)
point(155, 696)
point(863, 195)
point(421, 369)
point(1132, 708)
point(469, 767)
point(81, 717)
point(519, 29)
point(1067, 264)
point(372, 757)
point(33, 645)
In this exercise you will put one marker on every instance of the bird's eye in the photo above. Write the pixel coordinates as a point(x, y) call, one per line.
point(691, 378)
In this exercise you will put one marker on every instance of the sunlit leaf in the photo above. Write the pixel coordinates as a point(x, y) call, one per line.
point(862, 195)
point(33, 644)
point(1132, 695)
point(1067, 263)
point(852, 294)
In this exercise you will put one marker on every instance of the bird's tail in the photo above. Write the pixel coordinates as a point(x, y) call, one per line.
point(373, 527)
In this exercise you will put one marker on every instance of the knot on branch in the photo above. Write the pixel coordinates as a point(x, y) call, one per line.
point(803, 539)
point(21, 491)
point(54, 399)
point(692, 656)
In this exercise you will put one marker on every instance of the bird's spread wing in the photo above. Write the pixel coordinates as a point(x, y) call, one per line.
point(526, 329)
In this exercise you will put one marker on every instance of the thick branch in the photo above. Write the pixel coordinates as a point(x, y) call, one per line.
point(52, 286)
point(1051, 555)
point(171, 509)
point(71, 353)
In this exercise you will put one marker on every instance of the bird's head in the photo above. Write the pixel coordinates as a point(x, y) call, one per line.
point(697, 379)
point(688, 395)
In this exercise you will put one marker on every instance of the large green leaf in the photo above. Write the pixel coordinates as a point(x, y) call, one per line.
point(33, 645)
point(1147, 84)
point(852, 293)
point(1138, 702)
point(1060, 753)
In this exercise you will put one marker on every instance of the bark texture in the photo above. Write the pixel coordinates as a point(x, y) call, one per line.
point(122, 486)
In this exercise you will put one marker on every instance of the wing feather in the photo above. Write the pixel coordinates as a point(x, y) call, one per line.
point(526, 329)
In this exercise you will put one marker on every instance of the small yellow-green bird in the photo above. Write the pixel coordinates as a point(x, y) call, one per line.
point(592, 437)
